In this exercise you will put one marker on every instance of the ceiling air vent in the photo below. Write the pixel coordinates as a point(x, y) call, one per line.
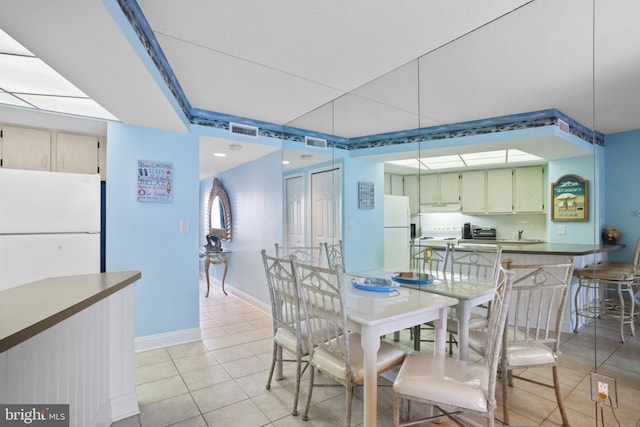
point(244, 130)
point(315, 142)
point(563, 126)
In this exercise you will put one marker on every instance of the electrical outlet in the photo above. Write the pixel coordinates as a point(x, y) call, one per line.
point(603, 390)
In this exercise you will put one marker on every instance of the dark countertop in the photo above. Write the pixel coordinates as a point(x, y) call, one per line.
point(539, 248)
point(29, 309)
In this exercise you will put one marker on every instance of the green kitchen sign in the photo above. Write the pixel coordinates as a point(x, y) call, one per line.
point(570, 199)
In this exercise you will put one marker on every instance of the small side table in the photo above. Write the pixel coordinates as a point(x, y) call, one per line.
point(216, 258)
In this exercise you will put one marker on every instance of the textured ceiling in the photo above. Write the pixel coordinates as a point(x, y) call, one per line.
point(347, 68)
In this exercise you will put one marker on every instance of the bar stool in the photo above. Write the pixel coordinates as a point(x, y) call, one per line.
point(607, 289)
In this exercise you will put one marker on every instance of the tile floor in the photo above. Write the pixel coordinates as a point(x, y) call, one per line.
point(220, 381)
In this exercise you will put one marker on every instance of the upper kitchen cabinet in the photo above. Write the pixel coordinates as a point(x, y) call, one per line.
point(411, 189)
point(25, 148)
point(499, 190)
point(440, 189)
point(76, 153)
point(473, 191)
point(45, 150)
point(529, 189)
point(393, 185)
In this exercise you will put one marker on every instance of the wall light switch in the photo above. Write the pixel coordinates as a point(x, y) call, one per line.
point(561, 229)
point(184, 226)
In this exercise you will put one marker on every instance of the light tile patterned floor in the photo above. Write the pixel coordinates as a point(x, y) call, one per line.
point(220, 381)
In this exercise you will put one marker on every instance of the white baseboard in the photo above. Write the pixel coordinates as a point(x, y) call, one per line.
point(254, 302)
point(124, 406)
point(151, 342)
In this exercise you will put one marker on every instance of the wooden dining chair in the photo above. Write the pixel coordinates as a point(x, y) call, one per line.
point(453, 386)
point(289, 329)
point(335, 351)
point(533, 327)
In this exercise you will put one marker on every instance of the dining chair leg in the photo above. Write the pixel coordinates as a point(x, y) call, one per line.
point(273, 366)
point(556, 387)
point(312, 372)
point(349, 398)
point(505, 394)
point(296, 394)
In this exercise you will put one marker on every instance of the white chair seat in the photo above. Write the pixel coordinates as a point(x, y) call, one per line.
point(529, 355)
point(287, 339)
point(450, 382)
point(476, 322)
point(388, 356)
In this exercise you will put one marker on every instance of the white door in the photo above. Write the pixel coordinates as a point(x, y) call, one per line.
point(326, 206)
point(294, 217)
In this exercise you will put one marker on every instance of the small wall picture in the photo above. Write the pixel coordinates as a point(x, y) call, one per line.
point(366, 195)
point(570, 199)
point(154, 181)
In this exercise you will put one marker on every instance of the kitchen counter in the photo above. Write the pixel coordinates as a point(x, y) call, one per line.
point(70, 340)
point(543, 248)
point(30, 309)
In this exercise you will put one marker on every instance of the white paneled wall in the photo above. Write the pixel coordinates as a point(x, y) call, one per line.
point(86, 361)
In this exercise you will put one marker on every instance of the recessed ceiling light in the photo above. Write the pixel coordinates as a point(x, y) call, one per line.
point(286, 162)
point(219, 155)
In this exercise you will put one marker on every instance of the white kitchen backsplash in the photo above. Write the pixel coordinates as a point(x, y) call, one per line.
point(507, 226)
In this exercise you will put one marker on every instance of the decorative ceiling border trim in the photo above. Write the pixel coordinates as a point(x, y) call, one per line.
point(143, 30)
point(549, 117)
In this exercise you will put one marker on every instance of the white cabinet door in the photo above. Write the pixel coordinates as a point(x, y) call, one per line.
point(473, 192)
point(76, 153)
point(24, 148)
point(500, 190)
point(529, 189)
point(429, 189)
point(387, 184)
point(411, 190)
point(397, 185)
point(450, 187)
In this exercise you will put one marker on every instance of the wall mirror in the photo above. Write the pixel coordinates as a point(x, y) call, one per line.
point(219, 212)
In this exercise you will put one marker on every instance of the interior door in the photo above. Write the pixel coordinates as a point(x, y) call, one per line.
point(294, 218)
point(326, 206)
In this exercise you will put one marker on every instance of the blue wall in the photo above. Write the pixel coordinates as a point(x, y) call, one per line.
point(577, 232)
point(622, 199)
point(255, 194)
point(362, 229)
point(146, 236)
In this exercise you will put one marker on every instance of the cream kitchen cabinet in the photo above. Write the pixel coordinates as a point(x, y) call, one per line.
point(473, 191)
point(411, 190)
point(25, 148)
point(76, 153)
point(500, 190)
point(45, 150)
point(440, 189)
point(393, 185)
point(529, 185)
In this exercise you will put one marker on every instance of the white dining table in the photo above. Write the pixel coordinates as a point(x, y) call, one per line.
point(469, 291)
point(374, 314)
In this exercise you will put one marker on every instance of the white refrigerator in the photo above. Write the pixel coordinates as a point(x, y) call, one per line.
point(49, 225)
point(397, 232)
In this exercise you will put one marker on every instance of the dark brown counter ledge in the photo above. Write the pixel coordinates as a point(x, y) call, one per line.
point(569, 249)
point(29, 309)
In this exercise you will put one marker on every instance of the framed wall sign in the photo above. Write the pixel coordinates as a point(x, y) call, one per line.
point(154, 181)
point(570, 199)
point(366, 195)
